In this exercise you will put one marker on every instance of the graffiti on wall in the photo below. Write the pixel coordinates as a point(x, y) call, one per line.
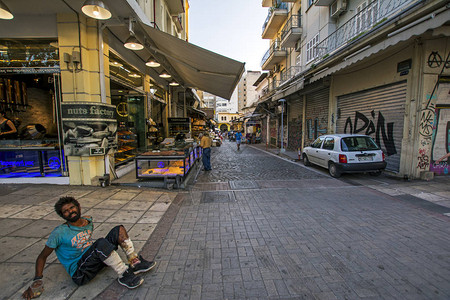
point(427, 120)
point(295, 135)
point(439, 141)
point(423, 159)
point(314, 128)
point(384, 132)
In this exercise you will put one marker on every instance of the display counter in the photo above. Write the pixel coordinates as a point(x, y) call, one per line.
point(31, 158)
point(170, 162)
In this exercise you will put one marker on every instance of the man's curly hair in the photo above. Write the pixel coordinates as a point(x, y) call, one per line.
point(63, 201)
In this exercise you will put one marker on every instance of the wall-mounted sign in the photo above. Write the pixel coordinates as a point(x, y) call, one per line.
point(89, 127)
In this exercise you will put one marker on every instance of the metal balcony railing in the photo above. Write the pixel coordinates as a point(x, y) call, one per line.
point(279, 5)
point(274, 47)
point(290, 73)
point(294, 21)
point(374, 14)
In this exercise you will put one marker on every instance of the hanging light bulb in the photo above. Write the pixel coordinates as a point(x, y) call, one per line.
point(164, 75)
point(152, 63)
point(133, 44)
point(5, 13)
point(174, 83)
point(96, 9)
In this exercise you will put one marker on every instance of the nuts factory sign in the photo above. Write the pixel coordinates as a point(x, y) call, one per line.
point(89, 128)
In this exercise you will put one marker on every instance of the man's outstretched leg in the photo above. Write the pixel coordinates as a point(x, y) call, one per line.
point(137, 263)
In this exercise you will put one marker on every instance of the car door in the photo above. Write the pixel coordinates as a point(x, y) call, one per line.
point(324, 153)
point(314, 151)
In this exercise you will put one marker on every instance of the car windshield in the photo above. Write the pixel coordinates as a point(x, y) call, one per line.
point(358, 143)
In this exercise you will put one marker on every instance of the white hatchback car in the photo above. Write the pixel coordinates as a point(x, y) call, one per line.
point(345, 153)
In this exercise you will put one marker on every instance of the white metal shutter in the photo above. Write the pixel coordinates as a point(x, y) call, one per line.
point(316, 114)
point(379, 113)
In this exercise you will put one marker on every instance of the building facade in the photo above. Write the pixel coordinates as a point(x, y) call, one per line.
point(89, 89)
point(374, 67)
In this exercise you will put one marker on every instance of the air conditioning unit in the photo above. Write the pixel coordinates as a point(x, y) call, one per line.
point(298, 45)
point(337, 8)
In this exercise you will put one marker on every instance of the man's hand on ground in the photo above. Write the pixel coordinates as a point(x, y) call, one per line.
point(35, 290)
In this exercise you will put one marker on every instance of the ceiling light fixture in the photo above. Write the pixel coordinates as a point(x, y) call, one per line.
point(152, 63)
point(134, 75)
point(5, 13)
point(133, 44)
point(174, 83)
point(96, 9)
point(164, 75)
point(115, 64)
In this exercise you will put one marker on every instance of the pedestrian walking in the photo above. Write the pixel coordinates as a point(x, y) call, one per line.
point(82, 257)
point(238, 139)
point(205, 143)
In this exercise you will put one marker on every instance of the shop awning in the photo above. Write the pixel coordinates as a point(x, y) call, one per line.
point(198, 68)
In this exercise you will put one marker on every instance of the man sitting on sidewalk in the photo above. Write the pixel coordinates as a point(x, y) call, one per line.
point(82, 257)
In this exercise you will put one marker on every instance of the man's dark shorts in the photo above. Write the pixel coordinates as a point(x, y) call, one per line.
point(92, 260)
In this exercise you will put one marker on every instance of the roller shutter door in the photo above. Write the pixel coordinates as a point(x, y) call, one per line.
point(379, 113)
point(295, 110)
point(316, 114)
point(273, 131)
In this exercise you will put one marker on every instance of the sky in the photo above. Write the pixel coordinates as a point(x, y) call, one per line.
point(232, 28)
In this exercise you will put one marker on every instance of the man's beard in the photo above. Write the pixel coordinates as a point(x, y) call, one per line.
point(73, 218)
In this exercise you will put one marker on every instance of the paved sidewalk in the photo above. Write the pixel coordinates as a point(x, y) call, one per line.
point(436, 191)
point(27, 217)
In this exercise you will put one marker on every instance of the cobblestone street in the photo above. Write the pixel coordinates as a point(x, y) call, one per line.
point(259, 227)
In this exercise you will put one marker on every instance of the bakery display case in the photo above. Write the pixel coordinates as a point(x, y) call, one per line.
point(198, 126)
point(31, 158)
point(167, 162)
point(178, 125)
point(127, 146)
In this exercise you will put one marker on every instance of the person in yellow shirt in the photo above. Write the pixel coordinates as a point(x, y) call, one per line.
point(205, 143)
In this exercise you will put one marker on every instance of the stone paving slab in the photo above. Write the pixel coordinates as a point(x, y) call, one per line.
point(25, 229)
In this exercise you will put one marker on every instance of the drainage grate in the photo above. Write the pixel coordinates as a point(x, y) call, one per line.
point(243, 184)
point(217, 197)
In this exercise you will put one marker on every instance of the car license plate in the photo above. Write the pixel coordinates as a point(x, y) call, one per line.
point(365, 158)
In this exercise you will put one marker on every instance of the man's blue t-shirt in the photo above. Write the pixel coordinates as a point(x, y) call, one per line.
point(238, 136)
point(70, 242)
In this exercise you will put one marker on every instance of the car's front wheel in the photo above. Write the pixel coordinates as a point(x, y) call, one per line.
point(332, 169)
point(306, 161)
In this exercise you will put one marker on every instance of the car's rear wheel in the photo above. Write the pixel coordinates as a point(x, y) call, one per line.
point(306, 161)
point(376, 173)
point(334, 172)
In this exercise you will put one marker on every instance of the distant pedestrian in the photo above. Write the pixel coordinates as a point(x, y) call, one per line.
point(205, 143)
point(238, 139)
point(82, 257)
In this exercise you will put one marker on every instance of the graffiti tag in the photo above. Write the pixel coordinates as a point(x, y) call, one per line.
point(434, 60)
point(381, 130)
point(423, 159)
point(427, 118)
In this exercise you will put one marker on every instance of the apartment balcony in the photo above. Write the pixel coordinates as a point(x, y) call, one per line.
point(176, 7)
point(324, 2)
point(362, 23)
point(291, 32)
point(275, 18)
point(267, 3)
point(290, 73)
point(273, 56)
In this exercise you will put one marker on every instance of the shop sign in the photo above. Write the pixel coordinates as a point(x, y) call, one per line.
point(178, 120)
point(29, 70)
point(89, 128)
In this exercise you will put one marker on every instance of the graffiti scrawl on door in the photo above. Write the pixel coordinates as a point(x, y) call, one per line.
point(382, 131)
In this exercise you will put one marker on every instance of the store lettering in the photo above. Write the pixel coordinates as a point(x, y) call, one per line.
point(93, 111)
point(18, 163)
